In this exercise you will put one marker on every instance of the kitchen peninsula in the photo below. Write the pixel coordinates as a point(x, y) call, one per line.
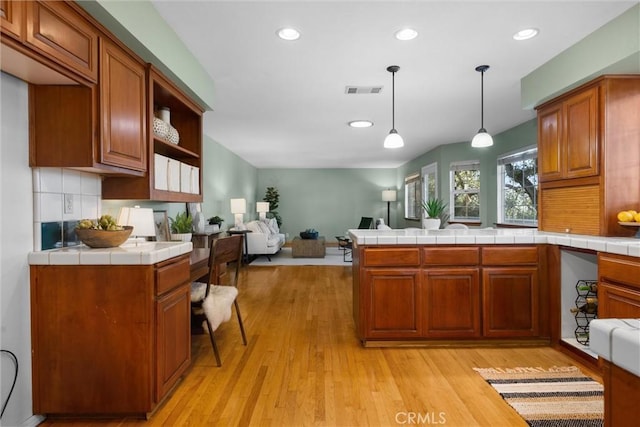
point(110, 327)
point(485, 286)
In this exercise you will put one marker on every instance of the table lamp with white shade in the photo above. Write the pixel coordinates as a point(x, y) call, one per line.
point(238, 209)
point(141, 219)
point(262, 208)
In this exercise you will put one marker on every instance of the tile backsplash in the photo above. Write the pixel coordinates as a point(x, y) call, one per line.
point(61, 197)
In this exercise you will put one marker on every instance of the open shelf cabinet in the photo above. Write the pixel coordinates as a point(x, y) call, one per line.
point(175, 170)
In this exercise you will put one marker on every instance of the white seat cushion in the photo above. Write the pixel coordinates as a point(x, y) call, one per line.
point(273, 241)
point(217, 306)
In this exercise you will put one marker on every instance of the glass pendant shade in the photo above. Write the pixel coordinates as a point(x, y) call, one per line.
point(482, 139)
point(393, 140)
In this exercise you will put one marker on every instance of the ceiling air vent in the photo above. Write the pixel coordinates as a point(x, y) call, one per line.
point(359, 90)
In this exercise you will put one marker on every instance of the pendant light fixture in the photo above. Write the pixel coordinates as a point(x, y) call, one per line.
point(482, 138)
point(393, 140)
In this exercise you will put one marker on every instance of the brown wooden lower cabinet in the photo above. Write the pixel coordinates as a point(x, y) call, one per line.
point(510, 301)
point(451, 302)
point(621, 394)
point(108, 339)
point(443, 292)
point(618, 286)
point(393, 304)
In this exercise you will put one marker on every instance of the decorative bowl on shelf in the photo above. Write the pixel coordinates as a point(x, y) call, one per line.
point(309, 234)
point(103, 238)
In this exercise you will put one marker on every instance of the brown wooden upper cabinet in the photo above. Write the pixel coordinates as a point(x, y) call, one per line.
point(122, 109)
point(589, 157)
point(568, 138)
point(56, 31)
point(175, 169)
point(11, 18)
point(100, 128)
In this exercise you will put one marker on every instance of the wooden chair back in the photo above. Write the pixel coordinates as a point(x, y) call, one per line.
point(225, 250)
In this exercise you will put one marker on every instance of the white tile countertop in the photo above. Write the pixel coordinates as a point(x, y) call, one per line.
point(507, 236)
point(143, 253)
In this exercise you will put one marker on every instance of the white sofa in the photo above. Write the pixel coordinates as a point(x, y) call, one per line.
point(265, 237)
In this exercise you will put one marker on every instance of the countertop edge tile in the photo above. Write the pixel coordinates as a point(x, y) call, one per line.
point(617, 245)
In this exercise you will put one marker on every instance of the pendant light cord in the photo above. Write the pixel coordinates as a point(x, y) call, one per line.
point(393, 100)
point(482, 99)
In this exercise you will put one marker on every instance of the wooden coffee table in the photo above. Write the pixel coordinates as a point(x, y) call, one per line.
point(308, 248)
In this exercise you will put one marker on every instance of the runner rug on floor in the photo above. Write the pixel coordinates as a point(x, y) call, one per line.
point(558, 396)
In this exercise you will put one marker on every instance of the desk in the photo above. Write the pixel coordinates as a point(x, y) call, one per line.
point(199, 264)
point(205, 240)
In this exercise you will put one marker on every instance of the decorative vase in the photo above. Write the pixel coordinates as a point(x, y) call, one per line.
point(173, 136)
point(198, 223)
point(181, 237)
point(160, 128)
point(165, 114)
point(432, 223)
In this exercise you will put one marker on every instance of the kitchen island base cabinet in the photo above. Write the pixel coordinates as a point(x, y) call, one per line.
point(510, 302)
point(433, 294)
point(451, 303)
point(393, 303)
point(108, 340)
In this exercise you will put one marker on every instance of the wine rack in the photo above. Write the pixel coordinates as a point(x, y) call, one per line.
point(586, 308)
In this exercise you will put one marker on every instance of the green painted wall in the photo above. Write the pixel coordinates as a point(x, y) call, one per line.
point(614, 48)
point(511, 140)
point(226, 176)
point(329, 200)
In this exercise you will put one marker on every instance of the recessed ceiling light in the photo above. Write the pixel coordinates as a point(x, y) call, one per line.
point(406, 34)
point(288, 34)
point(526, 34)
point(360, 124)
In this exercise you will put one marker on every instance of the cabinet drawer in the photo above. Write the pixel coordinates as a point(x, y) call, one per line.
point(620, 269)
point(509, 255)
point(396, 257)
point(54, 29)
point(168, 276)
point(451, 256)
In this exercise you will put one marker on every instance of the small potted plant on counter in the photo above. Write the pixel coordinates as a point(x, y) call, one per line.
point(434, 208)
point(181, 227)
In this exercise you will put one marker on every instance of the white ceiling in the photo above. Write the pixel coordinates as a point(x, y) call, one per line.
point(283, 104)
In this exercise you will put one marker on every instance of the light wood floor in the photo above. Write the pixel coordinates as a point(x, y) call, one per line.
point(304, 366)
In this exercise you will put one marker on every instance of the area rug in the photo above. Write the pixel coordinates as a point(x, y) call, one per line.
point(333, 256)
point(558, 396)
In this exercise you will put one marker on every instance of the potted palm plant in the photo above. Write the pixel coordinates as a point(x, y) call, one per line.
point(181, 227)
point(434, 209)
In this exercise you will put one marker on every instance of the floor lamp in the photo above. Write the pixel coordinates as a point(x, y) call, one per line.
point(388, 196)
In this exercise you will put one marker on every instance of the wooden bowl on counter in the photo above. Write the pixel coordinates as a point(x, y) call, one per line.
point(103, 238)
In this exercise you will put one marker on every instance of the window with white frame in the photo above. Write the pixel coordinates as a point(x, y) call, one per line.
point(412, 201)
point(518, 187)
point(464, 201)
